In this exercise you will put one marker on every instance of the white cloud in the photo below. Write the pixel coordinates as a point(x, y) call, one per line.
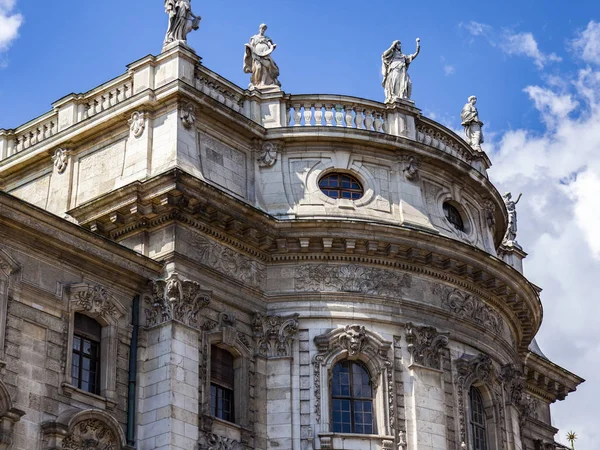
point(449, 70)
point(10, 23)
point(476, 28)
point(587, 43)
point(558, 171)
point(524, 44)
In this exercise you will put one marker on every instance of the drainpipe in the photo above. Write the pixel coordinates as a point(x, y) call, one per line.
point(133, 352)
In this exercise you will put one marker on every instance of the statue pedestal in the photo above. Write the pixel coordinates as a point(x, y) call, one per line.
point(512, 254)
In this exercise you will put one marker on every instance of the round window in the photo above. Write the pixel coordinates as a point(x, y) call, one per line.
point(454, 217)
point(341, 185)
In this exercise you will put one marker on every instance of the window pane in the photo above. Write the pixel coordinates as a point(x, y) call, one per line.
point(352, 401)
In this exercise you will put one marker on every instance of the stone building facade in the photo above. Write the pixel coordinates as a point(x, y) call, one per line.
point(187, 264)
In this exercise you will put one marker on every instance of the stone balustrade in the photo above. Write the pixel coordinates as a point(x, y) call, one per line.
point(336, 111)
point(219, 91)
point(431, 134)
point(106, 97)
point(28, 135)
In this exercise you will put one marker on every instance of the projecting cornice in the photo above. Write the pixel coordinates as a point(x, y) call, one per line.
point(178, 197)
point(548, 380)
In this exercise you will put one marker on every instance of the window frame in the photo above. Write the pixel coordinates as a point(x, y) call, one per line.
point(95, 342)
point(352, 398)
point(222, 387)
point(351, 191)
point(475, 426)
point(448, 207)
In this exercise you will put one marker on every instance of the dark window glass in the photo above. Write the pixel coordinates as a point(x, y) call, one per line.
point(351, 399)
point(478, 431)
point(454, 217)
point(221, 384)
point(337, 185)
point(85, 367)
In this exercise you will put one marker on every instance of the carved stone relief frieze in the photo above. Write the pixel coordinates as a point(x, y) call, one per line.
point(91, 434)
point(350, 278)
point(274, 335)
point(425, 345)
point(228, 261)
point(95, 300)
point(137, 124)
point(268, 154)
point(60, 159)
point(176, 299)
point(467, 306)
point(211, 441)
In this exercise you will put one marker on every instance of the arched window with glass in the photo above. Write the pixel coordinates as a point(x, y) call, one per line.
point(352, 399)
point(478, 429)
point(85, 362)
point(222, 384)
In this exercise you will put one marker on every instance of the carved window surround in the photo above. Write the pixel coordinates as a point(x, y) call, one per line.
point(354, 342)
point(8, 417)
point(97, 303)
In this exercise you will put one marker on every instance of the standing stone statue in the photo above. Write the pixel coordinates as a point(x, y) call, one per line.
point(510, 238)
point(394, 69)
point(470, 120)
point(259, 63)
point(181, 21)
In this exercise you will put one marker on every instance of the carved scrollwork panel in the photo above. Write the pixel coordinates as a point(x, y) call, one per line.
point(211, 441)
point(425, 345)
point(268, 154)
point(274, 335)
point(91, 434)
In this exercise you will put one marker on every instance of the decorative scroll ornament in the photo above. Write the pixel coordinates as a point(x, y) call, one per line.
point(425, 345)
point(268, 155)
point(467, 306)
point(350, 278)
point(514, 383)
point(137, 124)
point(211, 441)
point(91, 434)
point(274, 334)
point(410, 167)
point(188, 115)
point(176, 299)
point(353, 339)
point(471, 369)
point(355, 342)
point(95, 300)
point(61, 160)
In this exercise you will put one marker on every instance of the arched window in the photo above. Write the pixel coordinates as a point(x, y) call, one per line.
point(341, 185)
point(221, 384)
point(478, 431)
point(85, 366)
point(454, 217)
point(352, 399)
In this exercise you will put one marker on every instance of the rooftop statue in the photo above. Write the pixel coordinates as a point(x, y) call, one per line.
point(470, 120)
point(181, 21)
point(510, 238)
point(259, 63)
point(394, 69)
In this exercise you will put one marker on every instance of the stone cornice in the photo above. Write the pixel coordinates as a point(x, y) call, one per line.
point(178, 197)
point(548, 380)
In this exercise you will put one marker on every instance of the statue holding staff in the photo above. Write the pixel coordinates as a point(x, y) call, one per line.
point(181, 21)
point(259, 62)
point(470, 120)
point(511, 206)
point(394, 68)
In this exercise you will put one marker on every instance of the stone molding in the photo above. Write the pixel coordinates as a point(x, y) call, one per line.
point(426, 345)
point(88, 429)
point(176, 299)
point(211, 441)
point(467, 306)
point(354, 342)
point(350, 278)
point(274, 335)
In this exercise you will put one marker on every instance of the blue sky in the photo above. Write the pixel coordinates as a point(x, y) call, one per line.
point(534, 65)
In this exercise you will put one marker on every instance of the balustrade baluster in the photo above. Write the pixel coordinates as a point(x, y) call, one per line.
point(349, 117)
point(297, 114)
point(328, 115)
point(378, 122)
point(318, 114)
point(308, 115)
point(19, 144)
point(369, 120)
point(113, 97)
point(105, 102)
point(339, 116)
point(359, 118)
point(128, 88)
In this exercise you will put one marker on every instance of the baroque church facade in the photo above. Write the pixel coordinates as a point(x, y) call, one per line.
point(187, 264)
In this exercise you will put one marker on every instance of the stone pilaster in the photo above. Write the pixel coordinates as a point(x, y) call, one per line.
point(513, 255)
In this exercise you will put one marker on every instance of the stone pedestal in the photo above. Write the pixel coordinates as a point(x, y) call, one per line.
point(168, 380)
point(512, 254)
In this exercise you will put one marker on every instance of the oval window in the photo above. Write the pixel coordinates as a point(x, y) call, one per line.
point(453, 216)
point(341, 185)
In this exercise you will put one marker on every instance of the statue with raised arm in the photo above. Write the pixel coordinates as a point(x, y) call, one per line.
point(181, 21)
point(473, 126)
point(511, 206)
point(394, 69)
point(259, 62)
